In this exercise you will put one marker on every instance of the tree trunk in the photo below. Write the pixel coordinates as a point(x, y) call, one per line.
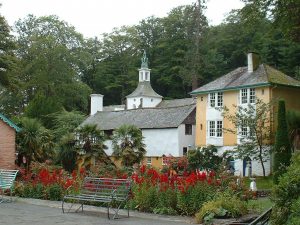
point(262, 162)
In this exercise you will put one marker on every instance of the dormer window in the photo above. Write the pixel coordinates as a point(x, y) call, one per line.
point(216, 99)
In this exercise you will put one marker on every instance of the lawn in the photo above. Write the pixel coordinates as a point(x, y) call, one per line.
point(261, 182)
point(260, 205)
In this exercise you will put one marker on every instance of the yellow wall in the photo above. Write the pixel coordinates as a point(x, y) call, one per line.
point(230, 98)
point(200, 134)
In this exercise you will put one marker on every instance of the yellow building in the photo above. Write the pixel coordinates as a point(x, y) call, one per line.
point(240, 87)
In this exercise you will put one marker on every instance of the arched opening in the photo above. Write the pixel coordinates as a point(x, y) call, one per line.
point(247, 167)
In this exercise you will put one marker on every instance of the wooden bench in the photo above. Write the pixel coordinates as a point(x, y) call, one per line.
point(104, 190)
point(263, 219)
point(7, 180)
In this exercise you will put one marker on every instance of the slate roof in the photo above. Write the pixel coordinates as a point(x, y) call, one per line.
point(145, 118)
point(9, 123)
point(144, 89)
point(176, 102)
point(264, 75)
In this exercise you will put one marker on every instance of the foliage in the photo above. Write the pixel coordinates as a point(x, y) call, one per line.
point(255, 120)
point(205, 158)
point(67, 154)
point(282, 147)
point(34, 142)
point(286, 195)
point(127, 142)
point(223, 205)
point(90, 146)
point(293, 121)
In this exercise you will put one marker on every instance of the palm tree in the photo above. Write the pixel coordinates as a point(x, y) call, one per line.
point(67, 155)
point(90, 145)
point(34, 142)
point(128, 145)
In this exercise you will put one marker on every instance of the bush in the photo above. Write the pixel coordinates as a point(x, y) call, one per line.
point(191, 200)
point(222, 206)
point(54, 192)
point(286, 195)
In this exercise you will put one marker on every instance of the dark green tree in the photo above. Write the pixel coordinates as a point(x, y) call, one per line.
point(67, 154)
point(128, 146)
point(293, 121)
point(282, 147)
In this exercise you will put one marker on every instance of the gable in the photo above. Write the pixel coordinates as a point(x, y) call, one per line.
point(9, 123)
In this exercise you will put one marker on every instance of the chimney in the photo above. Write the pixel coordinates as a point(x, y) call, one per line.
point(96, 103)
point(253, 61)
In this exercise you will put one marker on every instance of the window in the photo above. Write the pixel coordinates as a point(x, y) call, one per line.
point(188, 129)
point(149, 161)
point(165, 160)
point(215, 128)
point(212, 99)
point(220, 99)
point(216, 99)
point(252, 95)
point(141, 75)
point(184, 150)
point(219, 128)
point(244, 129)
point(211, 128)
point(248, 96)
point(244, 96)
point(146, 75)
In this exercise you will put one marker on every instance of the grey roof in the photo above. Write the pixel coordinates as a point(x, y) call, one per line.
point(240, 77)
point(144, 118)
point(144, 89)
point(113, 107)
point(176, 102)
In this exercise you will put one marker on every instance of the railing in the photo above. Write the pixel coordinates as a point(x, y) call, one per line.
point(263, 219)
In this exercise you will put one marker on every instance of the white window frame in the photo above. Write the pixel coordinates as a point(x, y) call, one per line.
point(247, 96)
point(215, 99)
point(215, 129)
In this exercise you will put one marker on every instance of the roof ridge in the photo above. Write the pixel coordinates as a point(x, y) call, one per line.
point(9, 122)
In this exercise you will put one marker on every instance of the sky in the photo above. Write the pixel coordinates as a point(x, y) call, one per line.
point(94, 17)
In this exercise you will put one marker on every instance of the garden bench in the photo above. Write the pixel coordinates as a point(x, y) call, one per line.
point(104, 190)
point(7, 180)
point(263, 219)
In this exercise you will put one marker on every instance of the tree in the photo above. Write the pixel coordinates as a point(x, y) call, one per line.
point(284, 13)
point(90, 146)
point(282, 147)
point(7, 58)
point(34, 142)
point(128, 146)
point(205, 158)
point(293, 121)
point(252, 125)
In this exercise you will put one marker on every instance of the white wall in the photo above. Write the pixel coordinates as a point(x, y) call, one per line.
point(148, 102)
point(212, 115)
point(256, 165)
point(157, 141)
point(185, 140)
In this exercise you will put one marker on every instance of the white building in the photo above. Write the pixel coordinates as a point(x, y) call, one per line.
point(168, 126)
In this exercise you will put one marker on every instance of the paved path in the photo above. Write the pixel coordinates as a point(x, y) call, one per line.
point(37, 212)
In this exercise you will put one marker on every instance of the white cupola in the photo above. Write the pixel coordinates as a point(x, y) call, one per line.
point(143, 96)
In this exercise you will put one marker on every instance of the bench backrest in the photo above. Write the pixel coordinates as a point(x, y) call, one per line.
point(106, 187)
point(7, 178)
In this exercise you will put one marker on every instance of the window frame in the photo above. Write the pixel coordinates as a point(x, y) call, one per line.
point(215, 129)
point(188, 129)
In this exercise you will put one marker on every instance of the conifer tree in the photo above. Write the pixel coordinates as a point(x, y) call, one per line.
point(282, 147)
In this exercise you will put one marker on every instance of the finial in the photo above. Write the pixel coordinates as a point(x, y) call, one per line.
point(144, 60)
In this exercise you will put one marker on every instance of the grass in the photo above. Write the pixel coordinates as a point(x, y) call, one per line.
point(261, 182)
point(259, 205)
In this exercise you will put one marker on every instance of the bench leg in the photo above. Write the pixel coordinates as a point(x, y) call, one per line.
point(108, 211)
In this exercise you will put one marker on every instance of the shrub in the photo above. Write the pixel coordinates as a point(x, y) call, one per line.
point(286, 195)
point(191, 200)
point(282, 147)
point(54, 192)
point(224, 206)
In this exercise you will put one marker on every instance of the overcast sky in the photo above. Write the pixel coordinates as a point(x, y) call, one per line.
point(94, 17)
